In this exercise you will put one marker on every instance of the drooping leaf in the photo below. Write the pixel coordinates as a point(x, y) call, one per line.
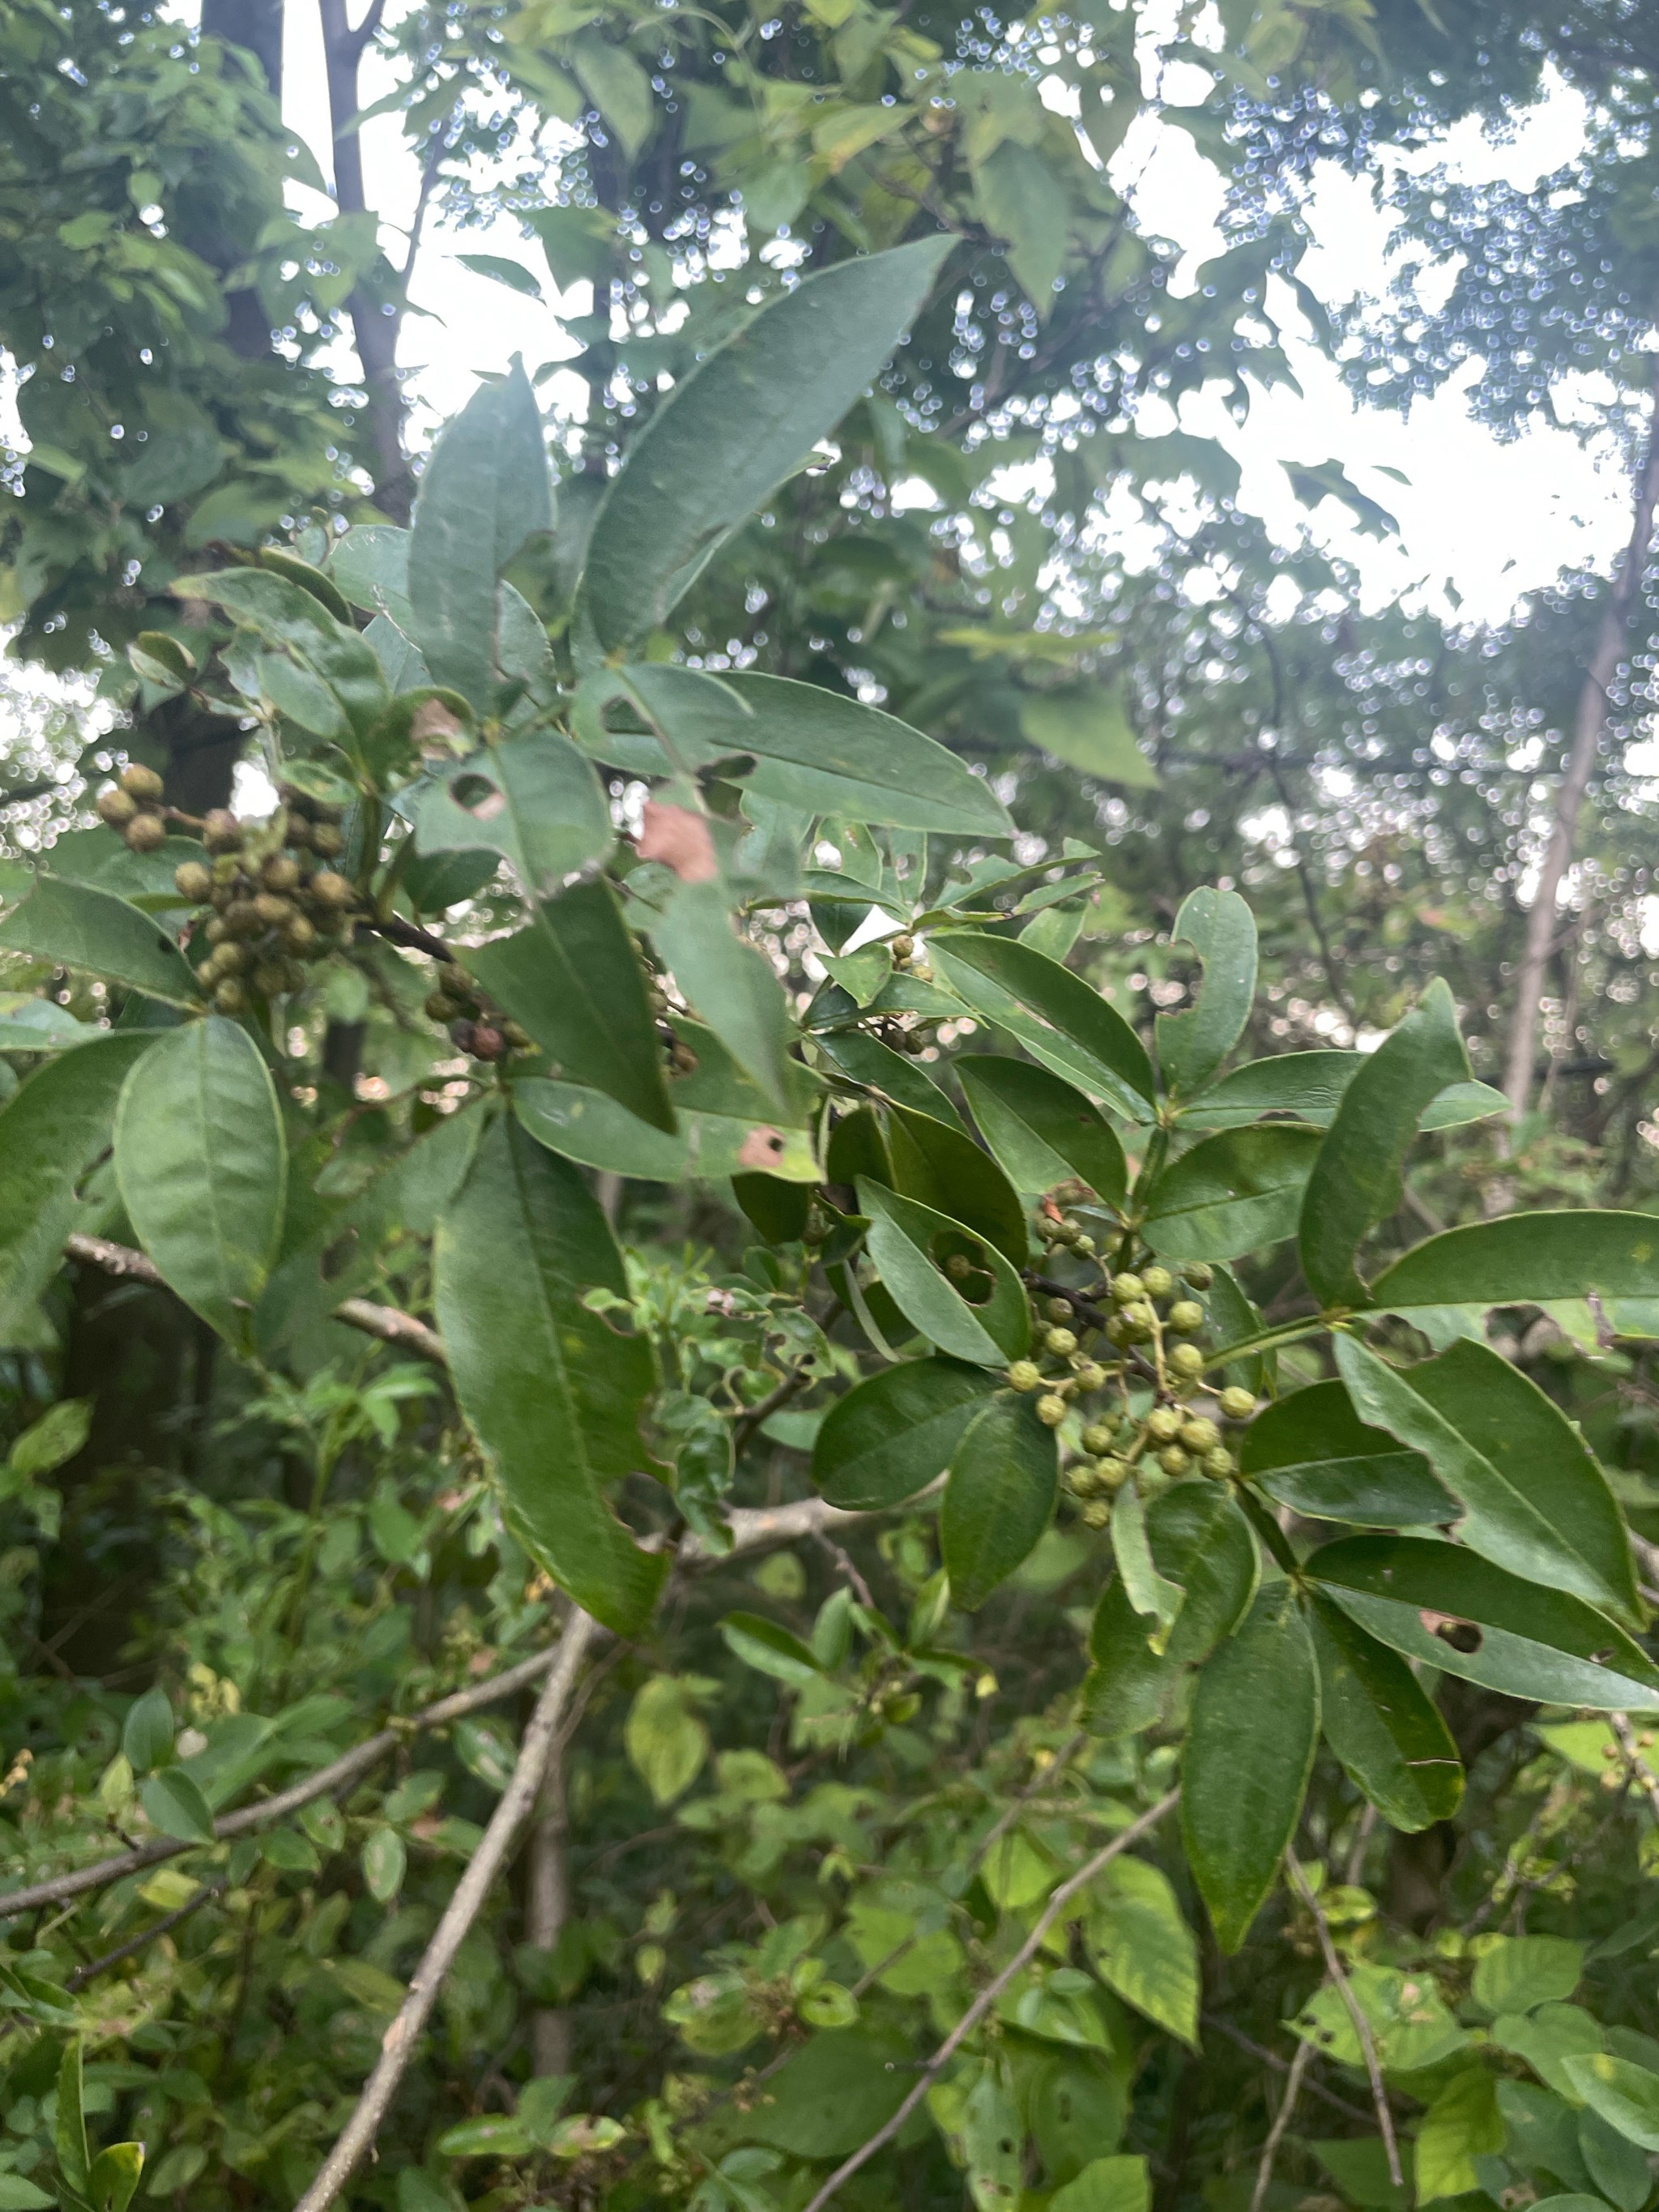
point(1042, 1130)
point(1023, 202)
point(1534, 1499)
point(484, 491)
point(201, 1163)
point(999, 1497)
point(77, 925)
point(1312, 1452)
point(553, 1391)
point(1356, 1182)
point(69, 2124)
point(1447, 1605)
point(985, 1318)
point(945, 1169)
point(894, 1431)
point(1527, 1259)
point(740, 424)
point(1232, 1193)
point(50, 1130)
point(1200, 1541)
point(1054, 1013)
point(1382, 1725)
point(1249, 1751)
point(572, 978)
point(1221, 929)
point(1138, 1941)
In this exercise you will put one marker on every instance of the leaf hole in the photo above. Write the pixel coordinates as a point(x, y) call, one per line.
point(478, 796)
point(1461, 1635)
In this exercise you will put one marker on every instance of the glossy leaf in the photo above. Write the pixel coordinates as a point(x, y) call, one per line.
point(483, 492)
point(1382, 1725)
point(1042, 1130)
point(729, 982)
point(1448, 1607)
point(1312, 1452)
point(1232, 1193)
point(945, 1169)
point(737, 425)
point(77, 925)
point(1534, 1499)
point(1054, 1013)
point(50, 1130)
point(999, 1497)
point(894, 1432)
point(1356, 1182)
point(1200, 1541)
point(1527, 1259)
point(1221, 929)
point(1249, 1751)
point(534, 800)
point(176, 1806)
point(553, 1392)
point(1157, 1599)
point(574, 979)
point(986, 1319)
point(770, 1649)
point(202, 1164)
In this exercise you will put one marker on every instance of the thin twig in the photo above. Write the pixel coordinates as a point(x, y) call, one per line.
point(1362, 2027)
point(82, 1975)
point(1061, 1760)
point(1264, 2173)
point(1282, 2065)
point(517, 1801)
point(982, 2004)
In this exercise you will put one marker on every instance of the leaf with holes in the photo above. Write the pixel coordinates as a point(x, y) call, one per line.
point(1221, 930)
point(983, 1317)
point(534, 800)
point(1382, 1725)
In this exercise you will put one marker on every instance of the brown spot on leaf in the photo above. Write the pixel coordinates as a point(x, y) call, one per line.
point(680, 839)
point(433, 724)
point(1461, 1635)
point(762, 1148)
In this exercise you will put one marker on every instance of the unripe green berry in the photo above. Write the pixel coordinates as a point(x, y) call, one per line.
point(229, 997)
point(1059, 1341)
point(328, 839)
point(959, 1266)
point(228, 959)
point(1085, 1245)
point(192, 881)
point(143, 783)
point(242, 918)
point(299, 935)
point(1083, 1479)
point(1163, 1424)
point(1157, 1282)
point(1097, 1513)
point(1115, 1473)
point(1023, 1374)
point(1186, 1317)
point(1237, 1403)
point(1142, 1317)
point(1051, 1409)
point(273, 908)
point(145, 833)
point(1174, 1461)
point(1199, 1435)
point(1057, 1310)
point(1219, 1463)
point(216, 932)
point(1091, 1377)
point(1185, 1360)
point(331, 889)
point(1097, 1437)
point(281, 872)
point(1199, 1274)
point(1127, 1290)
point(221, 832)
point(116, 806)
point(902, 947)
point(270, 978)
point(225, 870)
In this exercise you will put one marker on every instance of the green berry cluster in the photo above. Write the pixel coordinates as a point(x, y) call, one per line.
point(1116, 1330)
point(132, 805)
point(476, 1027)
point(277, 902)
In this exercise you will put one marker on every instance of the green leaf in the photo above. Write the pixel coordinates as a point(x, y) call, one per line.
point(572, 979)
point(484, 491)
point(865, 1060)
point(495, 2135)
point(554, 1393)
point(822, 752)
point(1310, 1085)
point(1447, 1605)
point(1249, 1751)
point(1527, 1259)
point(1356, 1182)
point(894, 1431)
point(115, 2175)
point(1221, 930)
point(147, 1733)
point(1619, 2169)
point(1140, 1946)
point(998, 1498)
point(665, 1741)
point(992, 2142)
point(1023, 202)
point(77, 925)
point(1520, 1971)
point(761, 1643)
point(1232, 1193)
point(499, 271)
point(986, 1319)
point(1312, 1452)
point(327, 672)
point(1152, 1595)
point(1055, 1014)
point(1200, 1541)
point(1042, 1130)
point(1534, 1501)
point(944, 1169)
point(729, 982)
point(176, 1806)
point(50, 1130)
point(1624, 2094)
point(618, 86)
point(69, 2125)
point(534, 800)
point(1119, 2184)
point(384, 1862)
point(43, 1446)
point(738, 425)
point(1084, 726)
point(1463, 2123)
point(370, 564)
point(1548, 2039)
point(1382, 1725)
point(732, 1138)
point(201, 1165)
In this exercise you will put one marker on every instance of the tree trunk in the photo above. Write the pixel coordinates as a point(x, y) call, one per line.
point(1589, 724)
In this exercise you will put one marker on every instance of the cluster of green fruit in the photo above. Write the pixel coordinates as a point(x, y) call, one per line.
point(1154, 1327)
point(476, 1027)
point(133, 805)
point(278, 904)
